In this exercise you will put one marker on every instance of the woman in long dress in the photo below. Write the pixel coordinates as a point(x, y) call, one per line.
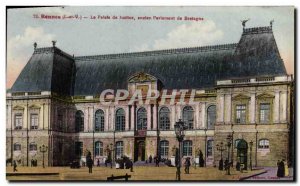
point(286, 169)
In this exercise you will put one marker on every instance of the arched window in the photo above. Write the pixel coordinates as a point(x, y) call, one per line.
point(120, 120)
point(98, 148)
point(99, 121)
point(236, 142)
point(141, 119)
point(187, 148)
point(211, 116)
point(263, 144)
point(32, 147)
point(164, 119)
point(17, 147)
point(209, 151)
point(188, 116)
point(119, 149)
point(79, 121)
point(164, 149)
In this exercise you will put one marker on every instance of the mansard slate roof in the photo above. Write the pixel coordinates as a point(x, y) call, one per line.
point(50, 69)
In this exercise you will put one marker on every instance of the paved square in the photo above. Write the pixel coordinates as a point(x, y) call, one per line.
point(140, 173)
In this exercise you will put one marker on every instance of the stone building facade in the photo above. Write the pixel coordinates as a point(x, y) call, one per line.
point(239, 89)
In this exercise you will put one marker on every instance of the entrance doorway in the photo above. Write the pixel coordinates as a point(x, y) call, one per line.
point(242, 151)
point(139, 154)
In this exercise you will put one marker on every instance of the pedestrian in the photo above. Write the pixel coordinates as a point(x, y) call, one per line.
point(150, 159)
point(278, 168)
point(238, 166)
point(187, 165)
point(280, 172)
point(226, 162)
point(286, 169)
point(221, 164)
point(131, 165)
point(15, 166)
point(32, 163)
point(157, 162)
point(90, 164)
point(98, 163)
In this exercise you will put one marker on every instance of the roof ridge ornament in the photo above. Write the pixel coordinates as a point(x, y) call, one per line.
point(271, 23)
point(34, 45)
point(244, 22)
point(53, 43)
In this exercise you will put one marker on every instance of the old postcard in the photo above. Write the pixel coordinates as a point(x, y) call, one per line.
point(150, 94)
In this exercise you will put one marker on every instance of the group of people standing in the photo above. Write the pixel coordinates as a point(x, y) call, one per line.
point(224, 165)
point(156, 160)
point(282, 168)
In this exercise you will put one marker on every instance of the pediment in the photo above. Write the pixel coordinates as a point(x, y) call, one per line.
point(240, 96)
point(264, 95)
point(141, 77)
point(34, 107)
point(18, 108)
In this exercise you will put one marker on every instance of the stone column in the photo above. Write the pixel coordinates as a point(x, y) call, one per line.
point(92, 120)
point(228, 109)
point(172, 117)
point(148, 117)
point(252, 109)
point(220, 110)
point(112, 117)
point(178, 112)
point(9, 125)
point(41, 118)
point(276, 107)
point(154, 117)
point(132, 117)
point(86, 119)
point(106, 119)
point(197, 122)
point(203, 115)
point(283, 101)
point(127, 118)
point(25, 120)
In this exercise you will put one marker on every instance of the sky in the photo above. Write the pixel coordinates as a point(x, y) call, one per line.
point(87, 36)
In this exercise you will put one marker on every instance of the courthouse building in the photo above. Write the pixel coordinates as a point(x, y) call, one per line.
point(242, 90)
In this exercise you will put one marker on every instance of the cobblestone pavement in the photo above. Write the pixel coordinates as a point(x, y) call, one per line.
point(271, 174)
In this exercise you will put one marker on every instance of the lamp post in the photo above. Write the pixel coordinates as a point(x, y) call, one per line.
point(251, 144)
point(112, 154)
point(179, 131)
point(221, 148)
point(43, 149)
point(228, 145)
point(205, 153)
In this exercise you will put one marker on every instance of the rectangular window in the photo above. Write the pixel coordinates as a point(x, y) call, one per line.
point(209, 147)
point(32, 147)
point(34, 121)
point(17, 147)
point(187, 148)
point(119, 149)
point(241, 114)
point(18, 121)
point(264, 113)
point(263, 144)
